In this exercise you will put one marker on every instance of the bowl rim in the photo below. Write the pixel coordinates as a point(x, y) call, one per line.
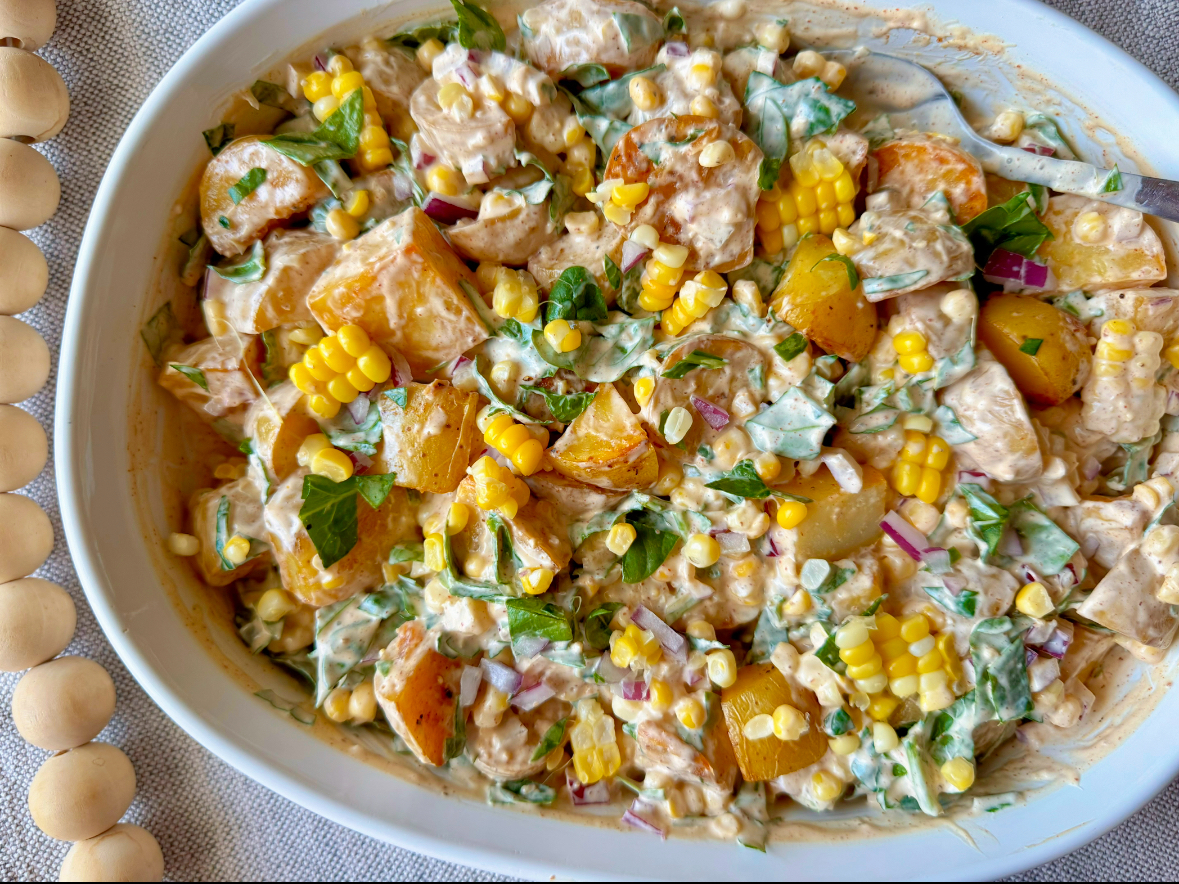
point(71, 463)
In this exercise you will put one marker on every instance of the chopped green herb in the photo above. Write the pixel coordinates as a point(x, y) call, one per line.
point(552, 738)
point(596, 625)
point(613, 274)
point(563, 406)
point(337, 138)
point(853, 275)
point(575, 295)
point(531, 616)
point(1031, 346)
point(158, 331)
point(477, 28)
point(193, 374)
point(400, 395)
point(791, 347)
point(247, 184)
point(412, 551)
point(1113, 182)
point(218, 137)
point(329, 511)
point(650, 549)
point(1013, 226)
point(250, 267)
point(695, 359)
point(223, 221)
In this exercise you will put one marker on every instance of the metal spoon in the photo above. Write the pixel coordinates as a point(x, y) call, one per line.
point(914, 98)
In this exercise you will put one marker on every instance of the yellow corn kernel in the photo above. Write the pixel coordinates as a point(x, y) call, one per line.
point(347, 83)
point(375, 364)
point(949, 654)
point(718, 153)
point(354, 340)
point(899, 667)
point(644, 93)
point(537, 581)
point(274, 604)
point(894, 647)
point(236, 549)
point(791, 513)
point(620, 538)
point(808, 225)
point(909, 342)
point(881, 706)
point(844, 744)
point(722, 668)
point(583, 181)
point(1107, 350)
point(451, 94)
point(845, 187)
point(884, 738)
point(789, 723)
point(444, 180)
point(335, 706)
point(826, 787)
point(429, 51)
point(644, 388)
point(828, 221)
point(937, 456)
point(772, 241)
point(915, 363)
point(457, 517)
point(302, 378)
point(324, 406)
point(887, 627)
point(433, 555)
point(1034, 601)
point(906, 478)
point(630, 195)
point(745, 568)
point(317, 85)
point(959, 773)
point(866, 670)
point(623, 650)
point(825, 195)
point(183, 544)
point(362, 705)
point(325, 107)
point(339, 64)
point(659, 697)
point(332, 463)
point(702, 106)
point(915, 447)
point(931, 662)
point(804, 200)
point(527, 457)
point(561, 336)
point(806, 176)
point(518, 108)
point(905, 686)
point(759, 727)
point(690, 712)
point(798, 604)
point(1118, 327)
point(660, 274)
point(767, 216)
point(310, 447)
point(341, 389)
point(595, 749)
point(373, 138)
point(914, 628)
point(341, 225)
point(930, 485)
point(654, 302)
point(1089, 227)
point(334, 354)
point(1108, 369)
point(359, 202)
point(319, 369)
point(616, 214)
point(858, 655)
point(787, 208)
point(845, 213)
point(670, 255)
point(702, 551)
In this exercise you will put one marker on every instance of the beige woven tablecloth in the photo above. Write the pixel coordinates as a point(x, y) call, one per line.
point(213, 822)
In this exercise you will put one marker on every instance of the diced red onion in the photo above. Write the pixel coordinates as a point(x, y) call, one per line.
point(1040, 150)
point(1082, 693)
point(633, 689)
point(420, 159)
point(529, 646)
point(503, 678)
point(674, 643)
point(677, 49)
point(597, 793)
point(974, 477)
point(693, 677)
point(954, 583)
point(608, 672)
point(446, 210)
point(1029, 656)
point(1068, 576)
point(904, 534)
point(937, 559)
point(203, 288)
point(733, 542)
point(469, 684)
point(1009, 543)
point(632, 254)
point(1029, 574)
point(360, 461)
point(715, 416)
point(1091, 468)
point(1058, 643)
point(358, 408)
point(1039, 633)
point(466, 76)
point(529, 698)
point(402, 186)
point(1016, 273)
point(1172, 402)
point(774, 551)
point(633, 817)
point(320, 62)
point(1021, 736)
point(401, 372)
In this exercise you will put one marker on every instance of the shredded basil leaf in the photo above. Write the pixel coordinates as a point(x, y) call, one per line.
point(791, 347)
point(562, 406)
point(1013, 226)
point(695, 359)
point(218, 137)
point(575, 295)
point(650, 549)
point(337, 138)
point(251, 267)
point(193, 374)
point(1031, 346)
point(853, 275)
point(477, 28)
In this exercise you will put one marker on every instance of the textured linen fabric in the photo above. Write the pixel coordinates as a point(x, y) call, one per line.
point(212, 822)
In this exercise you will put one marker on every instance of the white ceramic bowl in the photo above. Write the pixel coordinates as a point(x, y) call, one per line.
point(102, 376)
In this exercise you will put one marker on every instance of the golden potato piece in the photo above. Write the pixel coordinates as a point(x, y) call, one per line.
point(709, 210)
point(1121, 251)
point(588, 250)
point(278, 424)
point(510, 236)
point(563, 33)
point(760, 690)
point(419, 692)
point(572, 497)
point(1154, 309)
point(815, 297)
point(428, 442)
point(360, 569)
point(288, 189)
point(403, 284)
point(539, 535)
point(715, 766)
point(917, 167)
point(229, 367)
point(294, 260)
point(1046, 373)
point(243, 517)
point(838, 523)
point(606, 446)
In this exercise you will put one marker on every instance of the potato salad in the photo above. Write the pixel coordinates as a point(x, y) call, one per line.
point(608, 416)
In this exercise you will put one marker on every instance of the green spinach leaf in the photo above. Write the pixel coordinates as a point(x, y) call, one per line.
point(337, 138)
point(574, 296)
point(477, 28)
point(652, 545)
point(562, 406)
point(695, 359)
point(1012, 225)
point(247, 184)
point(791, 347)
point(251, 267)
point(193, 374)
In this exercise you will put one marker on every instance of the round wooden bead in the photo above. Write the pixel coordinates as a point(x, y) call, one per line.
point(24, 272)
point(63, 703)
point(24, 448)
point(121, 853)
point(34, 101)
point(82, 793)
point(27, 23)
point(37, 620)
point(24, 360)
point(29, 189)
point(27, 538)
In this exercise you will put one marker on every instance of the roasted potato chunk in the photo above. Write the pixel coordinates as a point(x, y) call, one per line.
point(582, 250)
point(919, 243)
point(244, 517)
point(403, 284)
point(278, 424)
point(419, 692)
point(989, 407)
point(815, 296)
point(288, 189)
point(480, 147)
point(838, 523)
point(760, 690)
point(606, 446)
point(711, 211)
point(428, 442)
point(294, 260)
point(572, 497)
point(1047, 372)
point(1116, 249)
point(563, 33)
point(504, 752)
point(715, 766)
point(1125, 601)
point(392, 73)
point(228, 366)
point(507, 231)
point(919, 166)
point(539, 535)
point(360, 569)
point(1153, 309)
